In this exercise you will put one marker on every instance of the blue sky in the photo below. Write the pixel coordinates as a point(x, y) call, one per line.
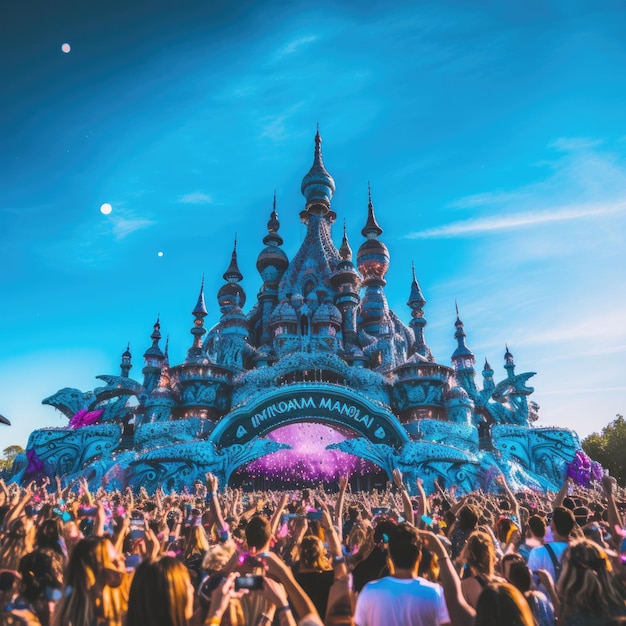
point(493, 135)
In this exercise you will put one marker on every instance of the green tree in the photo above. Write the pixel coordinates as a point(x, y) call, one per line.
point(8, 456)
point(609, 448)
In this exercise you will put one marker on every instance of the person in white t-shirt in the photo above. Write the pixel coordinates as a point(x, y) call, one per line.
point(404, 598)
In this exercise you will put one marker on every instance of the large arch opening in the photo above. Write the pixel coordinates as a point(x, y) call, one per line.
point(308, 463)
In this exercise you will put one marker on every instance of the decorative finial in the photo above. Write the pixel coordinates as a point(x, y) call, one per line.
point(371, 229)
point(318, 185)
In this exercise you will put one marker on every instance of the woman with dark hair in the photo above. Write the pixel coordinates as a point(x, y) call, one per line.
point(501, 604)
point(40, 589)
point(96, 582)
point(520, 577)
point(587, 589)
point(161, 594)
point(50, 536)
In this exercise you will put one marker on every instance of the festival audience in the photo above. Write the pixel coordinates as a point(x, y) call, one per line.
point(208, 557)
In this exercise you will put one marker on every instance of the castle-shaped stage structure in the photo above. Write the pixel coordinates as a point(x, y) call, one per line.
point(321, 345)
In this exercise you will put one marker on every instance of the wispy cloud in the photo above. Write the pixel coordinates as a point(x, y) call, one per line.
point(582, 183)
point(485, 199)
point(196, 197)
point(275, 127)
point(122, 226)
point(296, 44)
point(573, 144)
point(499, 223)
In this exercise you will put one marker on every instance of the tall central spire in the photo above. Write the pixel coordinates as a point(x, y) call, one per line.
point(318, 185)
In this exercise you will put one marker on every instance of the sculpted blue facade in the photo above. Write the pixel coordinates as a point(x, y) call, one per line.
point(319, 344)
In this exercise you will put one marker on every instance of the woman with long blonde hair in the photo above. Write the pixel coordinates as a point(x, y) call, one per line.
point(96, 586)
point(587, 589)
point(195, 550)
point(161, 594)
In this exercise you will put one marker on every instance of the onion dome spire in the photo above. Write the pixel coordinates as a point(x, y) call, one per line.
point(231, 294)
point(126, 365)
point(345, 252)
point(418, 321)
point(318, 185)
point(487, 369)
point(463, 357)
point(153, 358)
point(416, 297)
point(509, 363)
point(199, 312)
point(232, 273)
point(273, 225)
point(200, 308)
point(371, 228)
point(153, 355)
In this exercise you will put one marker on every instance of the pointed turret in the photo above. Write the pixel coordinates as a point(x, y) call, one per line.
point(418, 322)
point(371, 228)
point(509, 363)
point(199, 312)
point(318, 185)
point(373, 263)
point(126, 365)
point(346, 284)
point(463, 357)
point(231, 294)
point(153, 358)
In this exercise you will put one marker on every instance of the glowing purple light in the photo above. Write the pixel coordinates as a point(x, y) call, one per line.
point(308, 459)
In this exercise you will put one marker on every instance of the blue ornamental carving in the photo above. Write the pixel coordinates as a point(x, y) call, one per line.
point(320, 344)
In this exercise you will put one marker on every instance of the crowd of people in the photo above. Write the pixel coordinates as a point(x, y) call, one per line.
point(384, 558)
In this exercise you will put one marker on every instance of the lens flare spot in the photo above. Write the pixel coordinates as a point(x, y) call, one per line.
point(159, 254)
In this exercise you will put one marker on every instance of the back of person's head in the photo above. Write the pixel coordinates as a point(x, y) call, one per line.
point(501, 604)
point(313, 554)
point(568, 503)
point(353, 512)
point(520, 576)
point(48, 534)
point(468, 517)
point(479, 552)
point(88, 595)
point(586, 583)
point(507, 560)
point(39, 570)
point(405, 546)
point(383, 530)
point(161, 594)
point(581, 515)
point(537, 526)
point(563, 520)
point(258, 532)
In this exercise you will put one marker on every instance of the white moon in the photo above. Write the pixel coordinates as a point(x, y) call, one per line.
point(106, 208)
point(66, 47)
point(159, 253)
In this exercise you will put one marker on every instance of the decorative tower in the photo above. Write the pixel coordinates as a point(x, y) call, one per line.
point(463, 359)
point(418, 321)
point(153, 357)
point(199, 312)
point(159, 404)
point(231, 294)
point(271, 264)
point(509, 363)
point(306, 283)
point(126, 365)
point(373, 263)
point(346, 283)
